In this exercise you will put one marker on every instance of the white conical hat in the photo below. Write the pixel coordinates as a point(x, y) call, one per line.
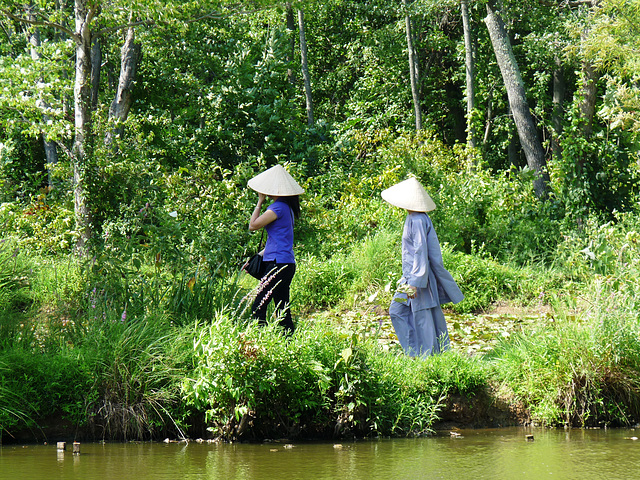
point(409, 195)
point(275, 181)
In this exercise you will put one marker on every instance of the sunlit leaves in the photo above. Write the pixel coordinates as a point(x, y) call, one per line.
point(33, 91)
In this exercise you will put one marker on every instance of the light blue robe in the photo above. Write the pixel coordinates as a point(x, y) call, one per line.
point(419, 322)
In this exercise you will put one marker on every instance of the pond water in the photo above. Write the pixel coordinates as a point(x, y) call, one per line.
point(497, 454)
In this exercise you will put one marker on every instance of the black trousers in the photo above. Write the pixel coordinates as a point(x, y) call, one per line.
point(275, 286)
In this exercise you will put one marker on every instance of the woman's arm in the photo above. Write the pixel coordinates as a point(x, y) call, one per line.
point(258, 221)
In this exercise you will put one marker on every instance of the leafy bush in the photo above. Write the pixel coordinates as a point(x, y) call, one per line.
point(575, 372)
point(321, 283)
point(42, 224)
point(245, 374)
point(322, 381)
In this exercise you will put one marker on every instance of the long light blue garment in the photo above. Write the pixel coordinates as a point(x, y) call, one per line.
point(419, 322)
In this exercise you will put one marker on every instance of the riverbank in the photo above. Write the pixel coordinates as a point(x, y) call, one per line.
point(342, 375)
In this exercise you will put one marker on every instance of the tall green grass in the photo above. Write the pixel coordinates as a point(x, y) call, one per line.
point(16, 298)
point(583, 367)
point(582, 371)
point(136, 381)
point(371, 269)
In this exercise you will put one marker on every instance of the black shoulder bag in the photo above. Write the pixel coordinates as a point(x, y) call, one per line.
point(255, 265)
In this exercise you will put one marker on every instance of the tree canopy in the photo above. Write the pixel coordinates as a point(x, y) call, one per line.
point(218, 85)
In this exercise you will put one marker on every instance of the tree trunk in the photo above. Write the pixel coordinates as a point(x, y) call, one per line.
point(291, 26)
point(469, 69)
point(487, 127)
point(50, 148)
point(305, 68)
point(413, 70)
point(559, 89)
point(121, 105)
point(82, 103)
point(589, 98)
point(523, 119)
point(96, 66)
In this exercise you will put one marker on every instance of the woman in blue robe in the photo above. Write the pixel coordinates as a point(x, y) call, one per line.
point(425, 284)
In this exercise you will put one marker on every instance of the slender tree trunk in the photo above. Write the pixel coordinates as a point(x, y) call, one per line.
point(489, 119)
point(525, 125)
point(291, 26)
point(96, 66)
point(589, 92)
point(469, 69)
point(559, 90)
point(121, 105)
point(82, 104)
point(50, 148)
point(305, 68)
point(413, 70)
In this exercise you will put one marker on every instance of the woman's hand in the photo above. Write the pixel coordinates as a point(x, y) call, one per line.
point(257, 221)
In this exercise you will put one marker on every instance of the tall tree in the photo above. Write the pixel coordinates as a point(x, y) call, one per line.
point(413, 68)
point(559, 90)
point(119, 110)
point(527, 132)
point(469, 71)
point(50, 148)
point(291, 26)
point(85, 14)
point(305, 68)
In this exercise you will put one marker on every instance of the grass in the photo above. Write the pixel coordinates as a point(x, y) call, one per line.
point(194, 359)
point(568, 375)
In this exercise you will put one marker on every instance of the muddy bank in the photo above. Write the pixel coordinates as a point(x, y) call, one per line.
point(483, 410)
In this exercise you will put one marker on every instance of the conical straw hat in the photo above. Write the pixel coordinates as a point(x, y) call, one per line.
point(275, 181)
point(409, 195)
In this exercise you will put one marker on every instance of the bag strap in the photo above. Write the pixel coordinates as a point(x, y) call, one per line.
point(261, 238)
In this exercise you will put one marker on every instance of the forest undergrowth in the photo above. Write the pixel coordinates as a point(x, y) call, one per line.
point(150, 336)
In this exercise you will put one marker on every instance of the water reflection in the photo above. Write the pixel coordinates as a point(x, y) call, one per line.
point(499, 454)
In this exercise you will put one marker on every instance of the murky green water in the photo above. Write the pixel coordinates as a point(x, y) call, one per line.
point(475, 454)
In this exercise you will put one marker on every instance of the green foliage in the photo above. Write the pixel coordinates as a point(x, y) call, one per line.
point(16, 299)
point(321, 283)
point(575, 373)
point(37, 88)
point(41, 386)
point(597, 175)
point(42, 224)
point(12, 407)
point(321, 381)
point(214, 105)
point(21, 170)
point(243, 373)
point(136, 382)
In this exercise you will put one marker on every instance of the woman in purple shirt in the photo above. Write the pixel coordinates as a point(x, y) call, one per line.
point(278, 220)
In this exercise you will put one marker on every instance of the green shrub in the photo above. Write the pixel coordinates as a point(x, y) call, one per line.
point(323, 381)
point(244, 373)
point(321, 283)
point(573, 372)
